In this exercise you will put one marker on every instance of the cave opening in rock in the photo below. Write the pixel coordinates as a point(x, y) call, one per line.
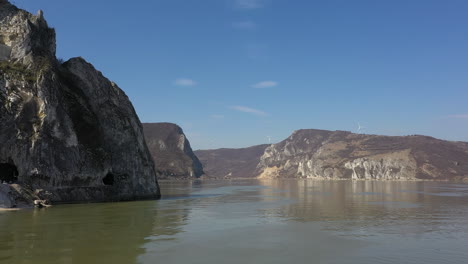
point(109, 179)
point(8, 173)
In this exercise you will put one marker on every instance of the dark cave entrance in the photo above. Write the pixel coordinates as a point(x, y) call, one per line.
point(109, 179)
point(8, 173)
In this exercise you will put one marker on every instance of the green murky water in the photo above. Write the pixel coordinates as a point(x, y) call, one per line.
point(252, 221)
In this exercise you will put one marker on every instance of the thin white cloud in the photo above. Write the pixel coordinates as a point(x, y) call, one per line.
point(459, 116)
point(249, 110)
point(244, 25)
point(265, 84)
point(249, 4)
point(185, 82)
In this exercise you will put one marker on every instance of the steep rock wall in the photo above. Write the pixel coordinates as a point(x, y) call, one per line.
point(171, 151)
point(67, 133)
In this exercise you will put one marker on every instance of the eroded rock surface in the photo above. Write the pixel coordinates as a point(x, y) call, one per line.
point(322, 154)
point(311, 153)
point(171, 150)
point(67, 133)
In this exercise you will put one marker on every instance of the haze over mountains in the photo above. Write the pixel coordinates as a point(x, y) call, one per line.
point(231, 163)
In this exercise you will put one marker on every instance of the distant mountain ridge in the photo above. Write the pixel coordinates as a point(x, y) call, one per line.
point(231, 163)
point(322, 154)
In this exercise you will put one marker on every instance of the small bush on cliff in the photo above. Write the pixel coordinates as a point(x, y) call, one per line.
point(23, 72)
point(16, 70)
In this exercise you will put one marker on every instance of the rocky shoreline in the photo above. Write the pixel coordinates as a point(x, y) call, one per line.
point(311, 179)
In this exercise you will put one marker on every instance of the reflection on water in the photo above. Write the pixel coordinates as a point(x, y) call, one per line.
point(251, 221)
point(417, 207)
point(94, 233)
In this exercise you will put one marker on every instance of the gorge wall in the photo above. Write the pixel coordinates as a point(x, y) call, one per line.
point(171, 151)
point(67, 134)
point(322, 154)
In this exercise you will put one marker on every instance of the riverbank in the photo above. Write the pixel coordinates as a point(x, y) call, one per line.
point(464, 180)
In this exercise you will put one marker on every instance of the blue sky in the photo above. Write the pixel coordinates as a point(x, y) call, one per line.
point(232, 73)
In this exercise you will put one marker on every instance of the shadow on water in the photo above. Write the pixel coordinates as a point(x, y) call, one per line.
point(102, 233)
point(91, 233)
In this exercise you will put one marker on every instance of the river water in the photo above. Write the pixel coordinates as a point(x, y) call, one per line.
point(251, 221)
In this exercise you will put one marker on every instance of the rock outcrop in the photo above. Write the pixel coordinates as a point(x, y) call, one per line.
point(311, 153)
point(171, 151)
point(67, 134)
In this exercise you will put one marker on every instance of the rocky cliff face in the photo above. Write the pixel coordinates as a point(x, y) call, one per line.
point(67, 133)
point(171, 151)
point(231, 163)
point(326, 154)
point(343, 155)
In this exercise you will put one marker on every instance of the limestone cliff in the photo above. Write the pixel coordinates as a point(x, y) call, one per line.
point(311, 153)
point(67, 133)
point(339, 154)
point(171, 151)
